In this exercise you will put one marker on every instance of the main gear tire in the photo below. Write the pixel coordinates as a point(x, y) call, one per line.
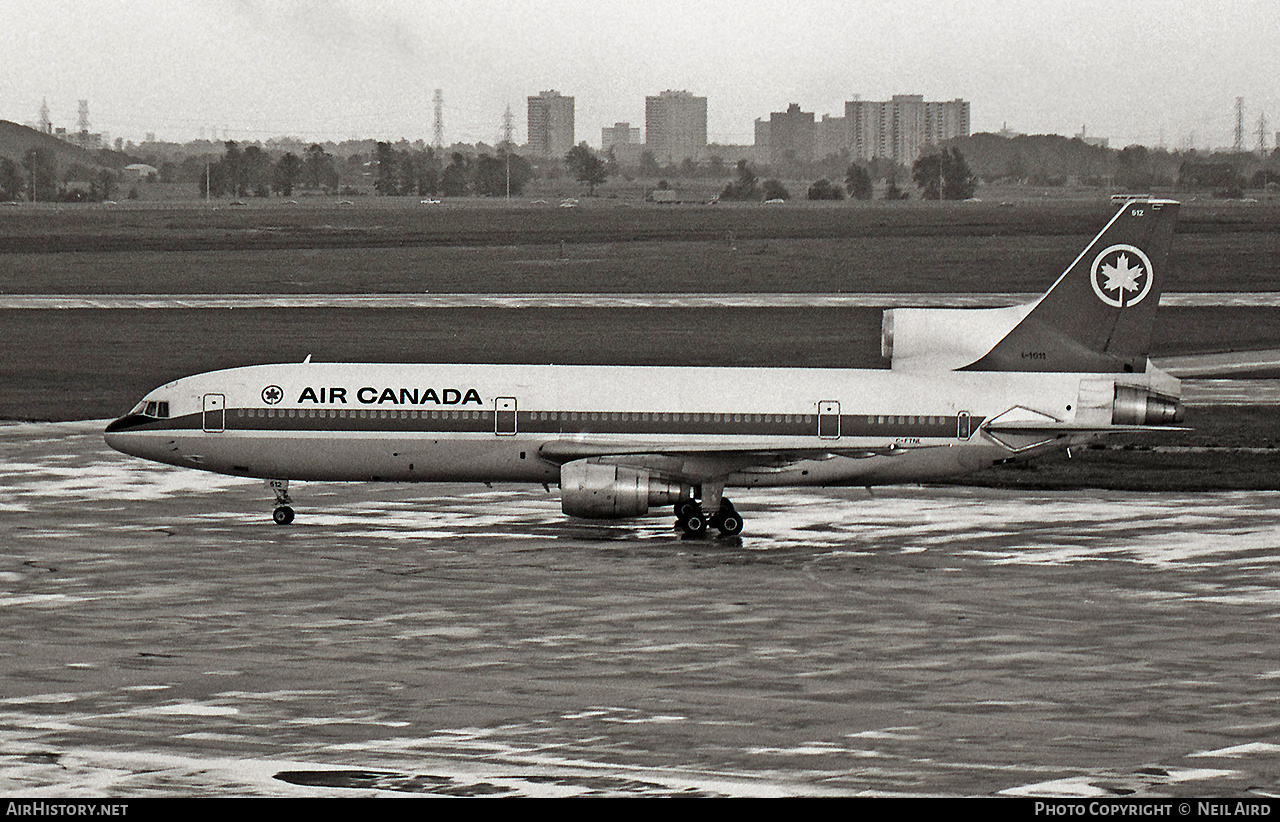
point(694, 526)
point(730, 524)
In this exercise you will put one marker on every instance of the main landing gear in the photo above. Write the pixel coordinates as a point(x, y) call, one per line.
point(693, 521)
point(283, 515)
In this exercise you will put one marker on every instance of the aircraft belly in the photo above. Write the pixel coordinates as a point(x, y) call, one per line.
point(333, 456)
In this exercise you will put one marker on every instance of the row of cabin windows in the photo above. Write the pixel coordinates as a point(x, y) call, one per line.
point(907, 420)
point(161, 409)
point(646, 416)
point(344, 413)
point(575, 416)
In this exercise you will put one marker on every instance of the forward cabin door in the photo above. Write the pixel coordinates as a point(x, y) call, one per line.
point(215, 413)
point(829, 420)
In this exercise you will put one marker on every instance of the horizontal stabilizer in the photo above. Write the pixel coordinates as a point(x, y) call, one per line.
point(1221, 365)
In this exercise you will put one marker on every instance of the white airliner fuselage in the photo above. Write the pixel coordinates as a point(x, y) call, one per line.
point(373, 423)
point(619, 439)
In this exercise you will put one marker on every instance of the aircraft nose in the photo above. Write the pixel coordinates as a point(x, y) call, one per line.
point(126, 422)
point(116, 432)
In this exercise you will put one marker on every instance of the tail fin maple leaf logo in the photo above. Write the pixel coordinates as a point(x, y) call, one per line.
point(1121, 276)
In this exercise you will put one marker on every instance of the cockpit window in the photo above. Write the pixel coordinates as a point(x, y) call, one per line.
point(153, 408)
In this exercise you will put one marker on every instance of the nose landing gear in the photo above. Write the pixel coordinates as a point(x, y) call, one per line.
point(283, 515)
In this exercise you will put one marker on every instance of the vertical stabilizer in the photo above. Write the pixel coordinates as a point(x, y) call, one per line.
point(1099, 315)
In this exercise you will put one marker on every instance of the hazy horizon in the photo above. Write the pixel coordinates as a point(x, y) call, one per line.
point(1142, 72)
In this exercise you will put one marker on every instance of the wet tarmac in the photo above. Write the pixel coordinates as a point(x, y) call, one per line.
point(159, 636)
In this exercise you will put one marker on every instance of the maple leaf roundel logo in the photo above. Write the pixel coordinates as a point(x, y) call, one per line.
point(272, 394)
point(1121, 276)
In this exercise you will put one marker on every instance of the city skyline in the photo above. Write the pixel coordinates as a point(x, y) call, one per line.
point(1145, 72)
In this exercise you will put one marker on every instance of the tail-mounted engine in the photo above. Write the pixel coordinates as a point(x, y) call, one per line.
point(1135, 405)
point(594, 490)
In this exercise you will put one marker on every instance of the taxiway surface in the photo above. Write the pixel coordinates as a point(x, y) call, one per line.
point(160, 636)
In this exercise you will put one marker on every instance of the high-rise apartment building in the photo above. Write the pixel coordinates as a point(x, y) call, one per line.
point(675, 125)
point(550, 124)
point(620, 134)
point(831, 136)
point(787, 137)
point(900, 128)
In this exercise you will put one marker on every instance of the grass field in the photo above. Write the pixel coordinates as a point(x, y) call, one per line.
point(396, 245)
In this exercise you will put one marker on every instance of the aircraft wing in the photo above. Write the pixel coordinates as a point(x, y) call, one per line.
point(1221, 365)
point(705, 462)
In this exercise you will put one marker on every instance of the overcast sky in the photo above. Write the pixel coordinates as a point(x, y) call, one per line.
point(1132, 70)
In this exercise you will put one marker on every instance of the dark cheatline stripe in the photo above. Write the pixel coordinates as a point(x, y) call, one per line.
point(554, 422)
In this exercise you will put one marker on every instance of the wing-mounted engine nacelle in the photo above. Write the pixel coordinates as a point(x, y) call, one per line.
point(1135, 405)
point(594, 490)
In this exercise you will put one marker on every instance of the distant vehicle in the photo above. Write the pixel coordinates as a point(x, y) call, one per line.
point(430, 201)
point(113, 202)
point(569, 203)
point(236, 203)
point(774, 201)
point(539, 202)
point(342, 203)
point(965, 389)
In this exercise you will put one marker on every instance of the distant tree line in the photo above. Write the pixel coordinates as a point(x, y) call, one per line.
point(1050, 160)
point(483, 175)
point(393, 171)
point(251, 172)
point(586, 167)
point(1029, 160)
point(951, 171)
point(37, 177)
point(747, 186)
point(944, 176)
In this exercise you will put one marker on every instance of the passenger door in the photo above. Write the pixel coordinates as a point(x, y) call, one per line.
point(215, 413)
point(504, 416)
point(829, 420)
